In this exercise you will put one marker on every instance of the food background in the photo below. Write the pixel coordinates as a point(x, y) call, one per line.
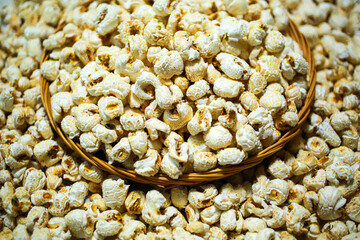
point(309, 190)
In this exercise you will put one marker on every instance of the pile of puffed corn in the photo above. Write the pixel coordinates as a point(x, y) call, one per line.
point(176, 87)
point(171, 89)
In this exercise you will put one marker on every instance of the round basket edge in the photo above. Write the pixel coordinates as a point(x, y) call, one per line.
point(191, 179)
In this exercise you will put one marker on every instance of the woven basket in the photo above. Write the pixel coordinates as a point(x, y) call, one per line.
point(162, 180)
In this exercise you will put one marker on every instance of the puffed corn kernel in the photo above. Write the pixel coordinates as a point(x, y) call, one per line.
point(48, 152)
point(274, 42)
point(50, 69)
point(107, 18)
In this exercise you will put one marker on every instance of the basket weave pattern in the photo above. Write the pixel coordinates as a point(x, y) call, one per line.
point(214, 174)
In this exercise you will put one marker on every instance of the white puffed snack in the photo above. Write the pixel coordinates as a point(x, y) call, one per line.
point(227, 88)
point(202, 199)
point(295, 218)
point(233, 67)
point(274, 42)
point(121, 151)
point(176, 218)
point(179, 197)
point(90, 142)
point(132, 120)
point(138, 142)
point(183, 44)
point(196, 69)
point(80, 223)
point(201, 121)
point(151, 212)
point(218, 137)
point(233, 29)
point(204, 161)
point(277, 191)
point(229, 156)
point(166, 97)
point(142, 84)
point(254, 224)
point(175, 87)
point(247, 138)
point(148, 165)
point(257, 82)
point(90, 172)
point(21, 116)
point(48, 152)
point(87, 116)
point(131, 229)
point(330, 203)
point(39, 213)
point(115, 85)
point(169, 64)
point(273, 101)
point(107, 18)
point(84, 51)
point(106, 57)
point(171, 166)
point(352, 209)
point(249, 101)
point(109, 223)
point(61, 203)
point(210, 215)
point(34, 179)
point(155, 33)
point(128, 65)
point(110, 107)
point(114, 192)
point(326, 132)
point(198, 90)
point(236, 7)
point(50, 69)
point(60, 104)
point(193, 22)
point(317, 146)
point(178, 118)
point(134, 202)
point(257, 33)
point(207, 43)
point(269, 67)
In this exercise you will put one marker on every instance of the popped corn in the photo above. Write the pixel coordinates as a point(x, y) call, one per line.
point(316, 160)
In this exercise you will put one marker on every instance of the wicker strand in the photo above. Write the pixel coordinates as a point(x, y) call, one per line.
point(162, 180)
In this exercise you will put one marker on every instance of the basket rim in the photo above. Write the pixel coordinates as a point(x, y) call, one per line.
point(163, 181)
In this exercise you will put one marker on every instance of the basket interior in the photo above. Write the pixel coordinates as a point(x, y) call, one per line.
point(194, 178)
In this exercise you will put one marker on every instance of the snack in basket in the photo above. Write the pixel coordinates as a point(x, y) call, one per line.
point(178, 89)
